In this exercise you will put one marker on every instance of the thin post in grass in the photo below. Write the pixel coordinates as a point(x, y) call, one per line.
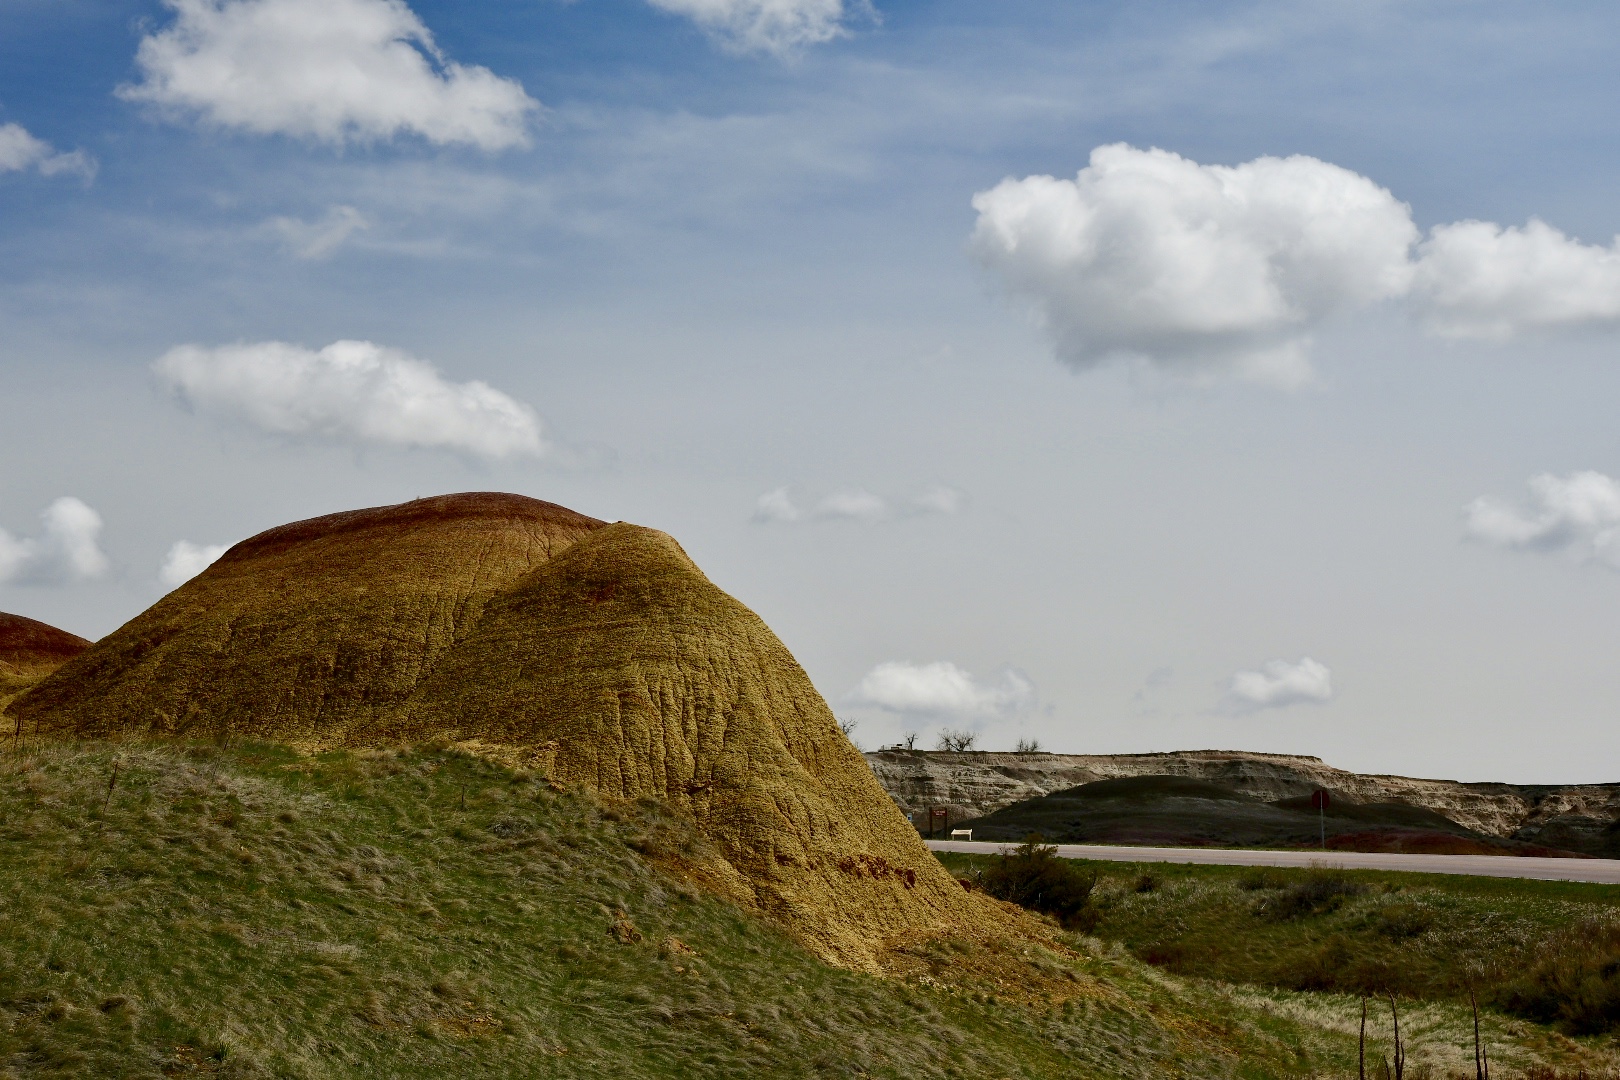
point(1361, 1044)
point(464, 798)
point(1400, 1055)
point(112, 781)
point(1482, 1063)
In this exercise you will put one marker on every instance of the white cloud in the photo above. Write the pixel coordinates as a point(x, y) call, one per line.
point(350, 391)
point(318, 239)
point(943, 690)
point(1578, 514)
point(776, 26)
point(1279, 684)
point(20, 150)
point(1146, 254)
point(67, 549)
point(855, 504)
point(1211, 269)
point(186, 560)
point(331, 70)
point(777, 505)
point(1476, 279)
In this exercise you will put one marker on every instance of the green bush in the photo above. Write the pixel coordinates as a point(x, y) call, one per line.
point(1034, 877)
point(1575, 984)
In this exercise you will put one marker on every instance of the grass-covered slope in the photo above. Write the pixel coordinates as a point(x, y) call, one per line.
point(1544, 951)
point(249, 912)
point(1187, 811)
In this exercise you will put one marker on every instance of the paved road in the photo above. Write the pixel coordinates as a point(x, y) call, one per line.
point(1603, 871)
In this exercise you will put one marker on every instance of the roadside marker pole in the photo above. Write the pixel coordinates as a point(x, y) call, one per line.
point(1319, 799)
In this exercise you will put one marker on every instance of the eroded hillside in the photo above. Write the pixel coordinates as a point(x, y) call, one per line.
point(598, 655)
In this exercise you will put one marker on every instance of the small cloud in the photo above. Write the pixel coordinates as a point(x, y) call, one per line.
point(941, 690)
point(68, 548)
point(20, 151)
point(855, 504)
point(772, 26)
point(318, 239)
point(1280, 684)
point(1578, 514)
point(186, 560)
point(350, 391)
point(1476, 279)
point(336, 71)
point(776, 505)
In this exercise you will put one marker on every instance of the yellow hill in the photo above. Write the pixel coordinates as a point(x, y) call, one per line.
point(599, 654)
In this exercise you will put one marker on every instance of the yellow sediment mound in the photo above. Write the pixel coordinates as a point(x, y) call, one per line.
point(315, 632)
point(598, 653)
point(31, 650)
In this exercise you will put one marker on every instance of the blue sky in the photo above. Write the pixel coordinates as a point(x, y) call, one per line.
point(711, 271)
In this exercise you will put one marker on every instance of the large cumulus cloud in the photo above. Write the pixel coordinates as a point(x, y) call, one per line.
point(1208, 269)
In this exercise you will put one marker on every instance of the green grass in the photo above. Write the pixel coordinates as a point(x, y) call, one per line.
point(1542, 950)
point(246, 912)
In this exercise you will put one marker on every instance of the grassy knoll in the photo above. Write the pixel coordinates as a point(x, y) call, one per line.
point(247, 912)
point(1543, 951)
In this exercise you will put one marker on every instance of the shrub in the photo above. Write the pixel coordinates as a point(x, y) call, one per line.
point(1034, 877)
point(1401, 921)
point(1146, 882)
point(1262, 877)
point(1575, 984)
point(1320, 892)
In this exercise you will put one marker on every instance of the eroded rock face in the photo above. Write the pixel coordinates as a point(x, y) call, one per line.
point(598, 654)
point(621, 667)
point(1580, 817)
point(31, 650)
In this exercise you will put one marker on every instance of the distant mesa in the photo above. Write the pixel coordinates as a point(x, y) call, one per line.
point(1129, 798)
point(596, 653)
point(1182, 811)
point(31, 650)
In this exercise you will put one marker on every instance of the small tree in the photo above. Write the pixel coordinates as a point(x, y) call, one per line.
point(911, 740)
point(848, 728)
point(956, 740)
point(1028, 746)
point(1034, 877)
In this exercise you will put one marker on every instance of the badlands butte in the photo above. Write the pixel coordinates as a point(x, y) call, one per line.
point(591, 653)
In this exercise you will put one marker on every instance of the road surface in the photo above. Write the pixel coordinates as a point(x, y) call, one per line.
point(1602, 871)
